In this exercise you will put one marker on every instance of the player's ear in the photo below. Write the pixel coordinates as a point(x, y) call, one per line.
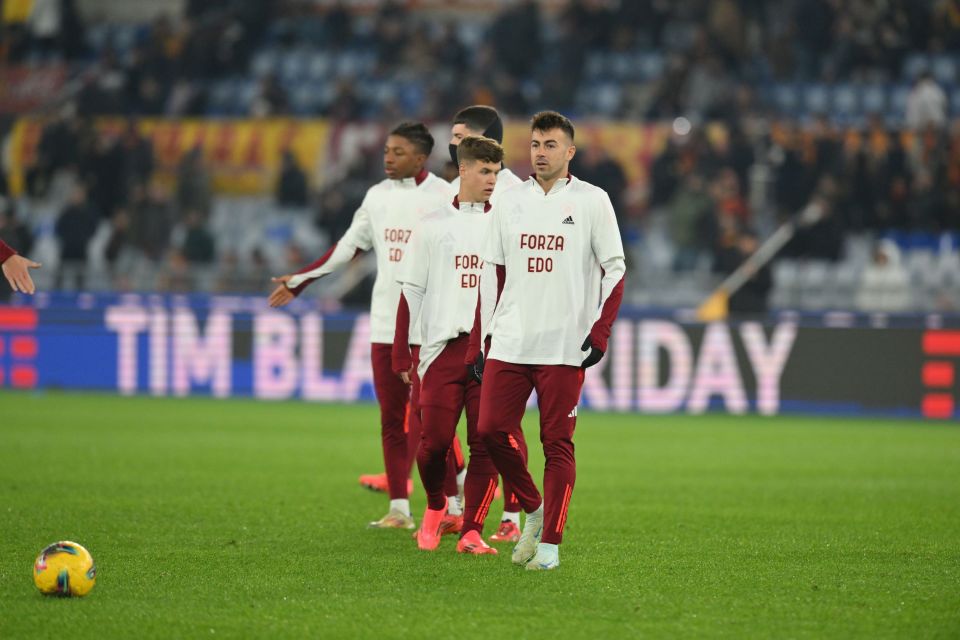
point(463, 170)
point(571, 151)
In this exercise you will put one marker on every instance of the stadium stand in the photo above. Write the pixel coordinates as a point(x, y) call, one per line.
point(756, 113)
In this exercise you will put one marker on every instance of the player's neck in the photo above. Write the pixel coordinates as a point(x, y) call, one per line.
point(419, 175)
point(546, 183)
point(467, 196)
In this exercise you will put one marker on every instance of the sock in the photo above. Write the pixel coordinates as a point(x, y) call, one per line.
point(511, 516)
point(461, 478)
point(537, 513)
point(547, 548)
point(402, 505)
point(453, 506)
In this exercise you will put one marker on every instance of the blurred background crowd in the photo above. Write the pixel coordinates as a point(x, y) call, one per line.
point(758, 111)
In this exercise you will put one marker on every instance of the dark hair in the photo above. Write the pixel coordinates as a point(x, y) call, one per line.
point(481, 119)
point(547, 120)
point(479, 148)
point(417, 133)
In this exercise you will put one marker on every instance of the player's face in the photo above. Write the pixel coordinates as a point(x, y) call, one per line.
point(478, 179)
point(550, 153)
point(460, 131)
point(401, 158)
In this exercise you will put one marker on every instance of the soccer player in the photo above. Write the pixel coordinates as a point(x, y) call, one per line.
point(554, 247)
point(482, 120)
point(16, 269)
point(440, 276)
point(383, 223)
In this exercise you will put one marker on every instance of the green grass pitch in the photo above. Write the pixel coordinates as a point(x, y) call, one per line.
point(221, 519)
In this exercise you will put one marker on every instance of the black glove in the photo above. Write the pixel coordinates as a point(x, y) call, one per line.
point(475, 370)
point(593, 357)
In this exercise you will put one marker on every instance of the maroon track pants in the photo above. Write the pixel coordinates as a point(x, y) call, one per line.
point(446, 390)
point(399, 424)
point(504, 393)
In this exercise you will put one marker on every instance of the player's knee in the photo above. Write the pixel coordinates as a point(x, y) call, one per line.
point(432, 447)
point(560, 448)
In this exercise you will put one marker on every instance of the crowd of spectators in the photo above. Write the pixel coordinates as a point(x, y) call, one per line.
point(716, 52)
point(718, 193)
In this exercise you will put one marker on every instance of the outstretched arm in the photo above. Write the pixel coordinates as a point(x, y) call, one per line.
point(358, 238)
point(16, 269)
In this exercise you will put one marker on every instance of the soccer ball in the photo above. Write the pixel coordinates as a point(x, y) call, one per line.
point(64, 569)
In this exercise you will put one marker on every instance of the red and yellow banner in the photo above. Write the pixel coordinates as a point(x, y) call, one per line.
point(243, 156)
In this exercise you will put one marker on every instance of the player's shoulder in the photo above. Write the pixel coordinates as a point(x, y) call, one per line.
point(510, 191)
point(585, 192)
point(438, 215)
point(381, 188)
point(435, 184)
point(435, 218)
point(582, 187)
point(508, 178)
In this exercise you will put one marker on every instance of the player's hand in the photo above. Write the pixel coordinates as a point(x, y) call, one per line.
point(16, 269)
point(407, 376)
point(593, 357)
point(475, 370)
point(281, 296)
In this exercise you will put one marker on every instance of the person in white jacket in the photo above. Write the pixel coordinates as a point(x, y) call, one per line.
point(440, 277)
point(554, 248)
point(484, 120)
point(383, 223)
point(884, 283)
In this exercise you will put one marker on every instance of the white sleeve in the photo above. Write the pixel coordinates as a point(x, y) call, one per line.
point(414, 296)
point(493, 245)
point(608, 249)
point(414, 267)
point(358, 237)
point(488, 296)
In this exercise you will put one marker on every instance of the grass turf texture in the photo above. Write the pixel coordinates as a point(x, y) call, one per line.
point(243, 519)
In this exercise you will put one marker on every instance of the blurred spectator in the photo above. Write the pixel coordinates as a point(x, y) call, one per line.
point(137, 157)
point(813, 35)
point(884, 283)
point(823, 238)
point(514, 34)
point(735, 247)
point(45, 26)
point(150, 221)
point(194, 191)
point(345, 105)
point(74, 229)
point(271, 98)
point(594, 165)
point(727, 199)
point(926, 104)
point(67, 142)
point(119, 252)
point(291, 189)
point(690, 215)
point(104, 175)
point(198, 243)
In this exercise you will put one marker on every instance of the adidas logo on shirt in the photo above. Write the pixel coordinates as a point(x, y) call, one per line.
point(568, 220)
point(572, 414)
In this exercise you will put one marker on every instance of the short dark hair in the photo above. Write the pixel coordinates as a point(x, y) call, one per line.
point(547, 120)
point(482, 119)
point(417, 133)
point(479, 148)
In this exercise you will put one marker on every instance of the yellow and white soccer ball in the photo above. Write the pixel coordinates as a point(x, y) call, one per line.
point(64, 569)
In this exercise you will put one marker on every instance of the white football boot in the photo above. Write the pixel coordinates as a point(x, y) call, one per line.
point(529, 537)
